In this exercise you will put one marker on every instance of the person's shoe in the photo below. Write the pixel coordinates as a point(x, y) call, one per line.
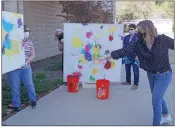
point(166, 120)
point(33, 104)
point(15, 109)
point(126, 83)
point(134, 87)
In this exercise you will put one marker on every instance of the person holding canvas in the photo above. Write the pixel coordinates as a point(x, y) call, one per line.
point(23, 74)
point(152, 51)
point(131, 59)
point(59, 37)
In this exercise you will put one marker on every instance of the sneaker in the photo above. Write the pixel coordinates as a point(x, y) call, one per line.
point(33, 104)
point(166, 120)
point(134, 87)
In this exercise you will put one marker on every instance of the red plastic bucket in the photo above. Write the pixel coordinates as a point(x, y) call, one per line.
point(102, 89)
point(73, 83)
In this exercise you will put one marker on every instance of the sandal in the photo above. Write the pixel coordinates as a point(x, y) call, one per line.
point(134, 87)
point(126, 83)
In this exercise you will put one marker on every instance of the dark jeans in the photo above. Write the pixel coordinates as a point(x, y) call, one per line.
point(62, 63)
point(128, 73)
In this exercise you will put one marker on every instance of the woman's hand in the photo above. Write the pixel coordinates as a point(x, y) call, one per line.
point(99, 61)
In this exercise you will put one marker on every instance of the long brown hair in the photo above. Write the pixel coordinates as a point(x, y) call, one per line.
point(147, 27)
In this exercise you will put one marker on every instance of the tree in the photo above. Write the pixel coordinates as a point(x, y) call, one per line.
point(134, 10)
point(87, 11)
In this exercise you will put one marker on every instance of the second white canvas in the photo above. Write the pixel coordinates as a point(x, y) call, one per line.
point(84, 43)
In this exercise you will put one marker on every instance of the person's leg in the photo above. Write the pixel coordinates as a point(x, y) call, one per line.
point(151, 81)
point(128, 72)
point(136, 74)
point(14, 78)
point(62, 69)
point(28, 83)
point(161, 83)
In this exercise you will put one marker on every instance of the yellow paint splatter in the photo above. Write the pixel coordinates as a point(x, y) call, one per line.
point(100, 34)
point(95, 71)
point(112, 29)
point(14, 50)
point(77, 43)
point(16, 15)
point(81, 59)
point(96, 51)
point(3, 34)
point(113, 64)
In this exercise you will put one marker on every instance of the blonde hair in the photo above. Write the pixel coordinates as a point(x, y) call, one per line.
point(147, 27)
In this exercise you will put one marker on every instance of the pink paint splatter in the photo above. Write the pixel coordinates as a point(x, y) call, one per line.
point(87, 48)
point(78, 73)
point(80, 67)
point(89, 34)
point(121, 37)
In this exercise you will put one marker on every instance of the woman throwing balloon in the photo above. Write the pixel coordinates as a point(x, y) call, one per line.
point(152, 52)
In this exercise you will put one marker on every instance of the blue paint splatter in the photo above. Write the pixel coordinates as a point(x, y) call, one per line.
point(19, 22)
point(3, 50)
point(7, 25)
point(101, 27)
point(7, 42)
point(88, 56)
point(82, 51)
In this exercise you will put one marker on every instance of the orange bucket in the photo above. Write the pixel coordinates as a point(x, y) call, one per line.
point(102, 89)
point(72, 83)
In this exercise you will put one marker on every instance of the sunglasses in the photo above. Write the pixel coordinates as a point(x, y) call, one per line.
point(26, 30)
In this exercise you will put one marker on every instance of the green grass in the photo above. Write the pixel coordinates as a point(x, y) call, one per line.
point(42, 85)
point(54, 66)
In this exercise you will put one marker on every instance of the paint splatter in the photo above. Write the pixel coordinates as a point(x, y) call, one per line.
point(113, 63)
point(101, 27)
point(91, 78)
point(107, 65)
point(111, 38)
point(95, 71)
point(7, 25)
point(88, 56)
point(96, 51)
point(78, 74)
point(112, 29)
point(81, 59)
point(89, 34)
point(80, 67)
point(7, 42)
point(3, 50)
point(107, 52)
point(19, 22)
point(121, 37)
point(77, 43)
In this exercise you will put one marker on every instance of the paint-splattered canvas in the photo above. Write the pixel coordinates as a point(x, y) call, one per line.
point(13, 56)
point(84, 43)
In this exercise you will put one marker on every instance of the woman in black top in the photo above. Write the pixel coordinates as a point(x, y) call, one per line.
point(59, 37)
point(152, 51)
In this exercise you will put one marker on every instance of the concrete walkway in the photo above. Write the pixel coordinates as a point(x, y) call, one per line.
point(124, 107)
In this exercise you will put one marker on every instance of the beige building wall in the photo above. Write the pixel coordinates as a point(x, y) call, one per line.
point(41, 17)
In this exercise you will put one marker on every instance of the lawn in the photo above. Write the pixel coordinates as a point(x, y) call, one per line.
point(46, 76)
